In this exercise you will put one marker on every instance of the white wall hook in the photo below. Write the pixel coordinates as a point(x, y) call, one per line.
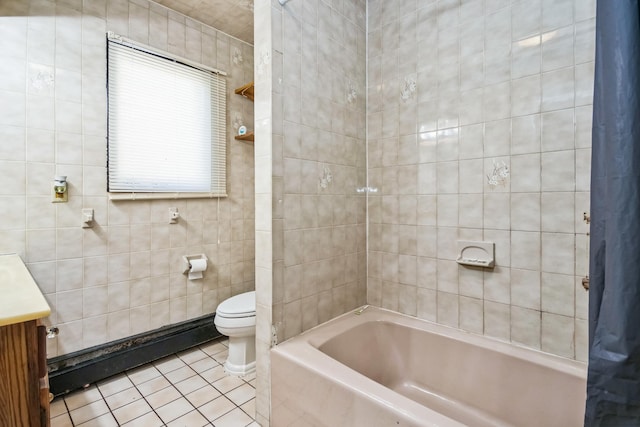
point(174, 215)
point(87, 217)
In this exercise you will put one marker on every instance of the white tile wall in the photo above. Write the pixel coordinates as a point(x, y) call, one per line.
point(310, 130)
point(123, 276)
point(497, 81)
point(317, 86)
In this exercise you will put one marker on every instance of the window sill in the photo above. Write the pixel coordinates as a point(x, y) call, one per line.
point(160, 196)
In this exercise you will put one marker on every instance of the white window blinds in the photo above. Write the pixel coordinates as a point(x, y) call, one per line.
point(167, 130)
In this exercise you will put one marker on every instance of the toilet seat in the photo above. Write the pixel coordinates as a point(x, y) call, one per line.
point(225, 324)
point(241, 305)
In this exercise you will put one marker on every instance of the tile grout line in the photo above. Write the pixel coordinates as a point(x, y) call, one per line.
point(104, 399)
point(172, 384)
point(221, 393)
point(198, 374)
point(145, 397)
point(68, 412)
point(185, 397)
point(174, 356)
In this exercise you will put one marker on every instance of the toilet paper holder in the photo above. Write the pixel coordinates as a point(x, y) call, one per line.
point(186, 261)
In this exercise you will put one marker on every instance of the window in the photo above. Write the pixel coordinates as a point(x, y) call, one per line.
point(166, 129)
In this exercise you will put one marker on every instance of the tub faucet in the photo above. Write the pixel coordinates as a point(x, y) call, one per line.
point(360, 310)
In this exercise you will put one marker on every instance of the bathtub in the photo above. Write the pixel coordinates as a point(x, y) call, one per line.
point(381, 368)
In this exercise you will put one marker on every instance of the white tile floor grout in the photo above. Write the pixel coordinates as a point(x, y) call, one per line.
point(188, 389)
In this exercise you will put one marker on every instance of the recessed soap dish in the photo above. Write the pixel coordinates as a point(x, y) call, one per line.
point(476, 254)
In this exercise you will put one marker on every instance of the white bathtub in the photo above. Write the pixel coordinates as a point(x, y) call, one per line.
point(381, 368)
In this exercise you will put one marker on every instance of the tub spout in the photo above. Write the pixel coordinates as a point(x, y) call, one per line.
point(361, 309)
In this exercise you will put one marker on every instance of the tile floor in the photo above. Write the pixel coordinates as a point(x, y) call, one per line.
point(188, 389)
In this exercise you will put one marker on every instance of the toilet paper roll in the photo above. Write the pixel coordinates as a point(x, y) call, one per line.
point(197, 267)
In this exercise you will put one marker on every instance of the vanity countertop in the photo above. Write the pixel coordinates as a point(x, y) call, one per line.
point(20, 297)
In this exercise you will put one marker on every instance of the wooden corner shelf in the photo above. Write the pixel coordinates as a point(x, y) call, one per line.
point(246, 137)
point(246, 91)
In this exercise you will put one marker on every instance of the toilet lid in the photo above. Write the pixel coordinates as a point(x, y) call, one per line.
point(242, 305)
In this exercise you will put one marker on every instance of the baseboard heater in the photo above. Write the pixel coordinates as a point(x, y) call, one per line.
point(76, 370)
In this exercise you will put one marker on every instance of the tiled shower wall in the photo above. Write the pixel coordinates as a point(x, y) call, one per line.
point(479, 128)
point(124, 275)
point(310, 61)
point(319, 161)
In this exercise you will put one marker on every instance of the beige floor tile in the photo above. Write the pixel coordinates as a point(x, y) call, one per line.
point(143, 374)
point(250, 408)
point(204, 364)
point(221, 357)
point(82, 397)
point(250, 377)
point(123, 397)
point(228, 383)
point(175, 409)
point(216, 408)
point(191, 384)
point(153, 386)
point(192, 419)
point(61, 421)
point(57, 407)
point(214, 348)
point(213, 375)
point(242, 394)
point(235, 418)
point(90, 411)
point(175, 402)
point(169, 364)
point(105, 420)
point(150, 419)
point(191, 356)
point(114, 385)
point(180, 374)
point(164, 396)
point(202, 395)
point(131, 411)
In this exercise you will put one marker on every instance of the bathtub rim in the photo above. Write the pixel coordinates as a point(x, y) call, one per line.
point(320, 334)
point(304, 350)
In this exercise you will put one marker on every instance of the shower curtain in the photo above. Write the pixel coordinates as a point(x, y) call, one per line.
point(613, 385)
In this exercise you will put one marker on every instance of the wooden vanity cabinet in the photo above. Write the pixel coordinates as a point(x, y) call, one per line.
point(24, 383)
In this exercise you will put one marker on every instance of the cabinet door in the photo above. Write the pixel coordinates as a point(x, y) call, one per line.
point(19, 390)
point(43, 376)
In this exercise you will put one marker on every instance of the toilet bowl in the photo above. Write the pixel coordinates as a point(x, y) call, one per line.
point(236, 318)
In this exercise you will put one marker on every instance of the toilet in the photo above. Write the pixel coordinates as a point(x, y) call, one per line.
point(236, 318)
